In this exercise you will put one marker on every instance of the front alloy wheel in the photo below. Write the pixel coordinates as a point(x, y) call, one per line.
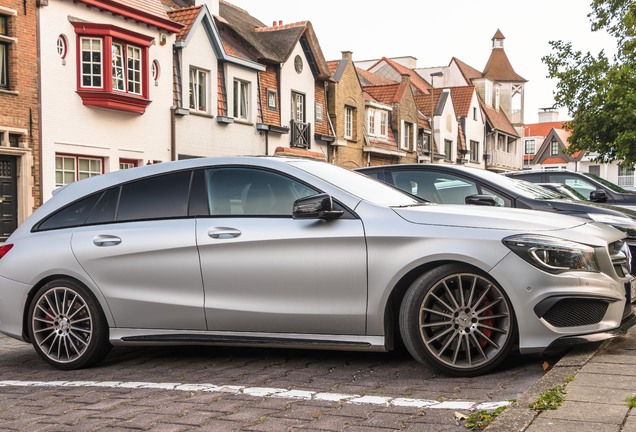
point(457, 320)
point(66, 326)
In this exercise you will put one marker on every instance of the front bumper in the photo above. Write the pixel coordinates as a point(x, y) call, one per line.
point(570, 341)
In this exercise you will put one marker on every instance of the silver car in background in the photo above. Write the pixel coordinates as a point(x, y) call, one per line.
point(301, 253)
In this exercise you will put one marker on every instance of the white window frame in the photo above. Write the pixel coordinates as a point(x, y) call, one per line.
point(554, 148)
point(92, 79)
point(319, 112)
point(384, 122)
point(408, 135)
point(371, 121)
point(241, 99)
point(199, 79)
point(95, 168)
point(133, 69)
point(348, 122)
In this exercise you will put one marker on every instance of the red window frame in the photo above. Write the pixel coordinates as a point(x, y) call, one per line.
point(105, 96)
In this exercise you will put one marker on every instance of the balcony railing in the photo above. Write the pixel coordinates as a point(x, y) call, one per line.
point(300, 134)
point(504, 159)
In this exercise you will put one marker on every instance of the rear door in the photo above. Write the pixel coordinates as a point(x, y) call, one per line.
point(138, 246)
point(263, 271)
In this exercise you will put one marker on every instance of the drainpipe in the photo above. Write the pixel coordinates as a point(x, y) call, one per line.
point(173, 133)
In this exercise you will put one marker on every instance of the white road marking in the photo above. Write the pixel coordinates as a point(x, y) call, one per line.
point(309, 395)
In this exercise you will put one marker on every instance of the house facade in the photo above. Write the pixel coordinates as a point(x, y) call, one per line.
point(19, 114)
point(501, 99)
point(106, 87)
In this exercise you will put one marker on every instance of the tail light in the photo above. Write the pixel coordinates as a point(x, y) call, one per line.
point(4, 249)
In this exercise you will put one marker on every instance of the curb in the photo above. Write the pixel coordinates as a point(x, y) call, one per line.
point(518, 416)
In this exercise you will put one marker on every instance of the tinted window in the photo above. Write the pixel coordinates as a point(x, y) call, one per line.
point(247, 191)
point(104, 211)
point(582, 186)
point(534, 178)
point(72, 215)
point(160, 197)
point(443, 188)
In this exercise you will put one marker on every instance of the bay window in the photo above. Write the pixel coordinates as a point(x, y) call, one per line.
point(241, 98)
point(198, 89)
point(112, 67)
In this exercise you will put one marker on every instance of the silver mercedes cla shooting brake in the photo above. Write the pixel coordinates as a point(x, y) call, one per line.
point(300, 253)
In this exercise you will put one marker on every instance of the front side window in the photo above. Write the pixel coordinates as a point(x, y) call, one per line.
point(198, 89)
point(348, 123)
point(69, 169)
point(252, 192)
point(241, 99)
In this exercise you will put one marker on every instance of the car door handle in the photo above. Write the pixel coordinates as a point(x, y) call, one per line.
point(106, 240)
point(223, 233)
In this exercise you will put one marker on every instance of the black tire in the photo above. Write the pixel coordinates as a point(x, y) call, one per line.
point(457, 320)
point(66, 325)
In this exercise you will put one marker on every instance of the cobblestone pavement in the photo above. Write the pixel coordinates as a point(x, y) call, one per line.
point(110, 397)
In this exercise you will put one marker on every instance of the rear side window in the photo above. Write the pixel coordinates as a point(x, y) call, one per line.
point(70, 216)
point(158, 197)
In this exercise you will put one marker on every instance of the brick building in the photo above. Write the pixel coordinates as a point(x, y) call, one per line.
point(19, 116)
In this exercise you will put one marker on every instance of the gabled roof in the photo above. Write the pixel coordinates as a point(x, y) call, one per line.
point(387, 94)
point(187, 17)
point(462, 98)
point(468, 72)
point(369, 78)
point(149, 12)
point(543, 155)
point(416, 80)
point(275, 44)
point(542, 129)
point(498, 120)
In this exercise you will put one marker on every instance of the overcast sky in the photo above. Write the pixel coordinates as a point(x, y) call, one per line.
point(435, 31)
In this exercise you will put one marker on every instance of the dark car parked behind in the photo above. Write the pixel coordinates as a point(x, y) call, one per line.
point(592, 187)
point(452, 184)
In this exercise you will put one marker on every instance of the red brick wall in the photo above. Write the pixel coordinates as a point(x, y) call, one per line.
point(19, 104)
point(269, 81)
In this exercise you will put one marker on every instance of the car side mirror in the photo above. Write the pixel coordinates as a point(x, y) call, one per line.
point(481, 200)
point(598, 195)
point(315, 207)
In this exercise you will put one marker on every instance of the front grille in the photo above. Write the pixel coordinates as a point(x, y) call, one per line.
point(576, 312)
point(621, 257)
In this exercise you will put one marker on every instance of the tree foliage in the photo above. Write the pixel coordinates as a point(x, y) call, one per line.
point(600, 92)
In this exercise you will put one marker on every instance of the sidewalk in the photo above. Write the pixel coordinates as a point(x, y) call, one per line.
point(599, 380)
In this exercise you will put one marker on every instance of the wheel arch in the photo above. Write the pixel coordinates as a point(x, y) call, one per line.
point(40, 284)
point(392, 307)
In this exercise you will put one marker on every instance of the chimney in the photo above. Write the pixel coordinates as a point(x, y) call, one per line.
point(406, 78)
point(347, 55)
point(547, 115)
point(280, 23)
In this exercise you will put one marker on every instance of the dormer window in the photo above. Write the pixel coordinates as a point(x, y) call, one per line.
point(112, 67)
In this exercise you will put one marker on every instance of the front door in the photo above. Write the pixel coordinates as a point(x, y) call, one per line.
point(8, 195)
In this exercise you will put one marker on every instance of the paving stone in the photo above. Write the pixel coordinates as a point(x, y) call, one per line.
point(588, 412)
point(585, 393)
point(556, 425)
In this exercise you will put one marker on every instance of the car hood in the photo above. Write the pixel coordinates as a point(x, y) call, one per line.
point(487, 217)
point(585, 208)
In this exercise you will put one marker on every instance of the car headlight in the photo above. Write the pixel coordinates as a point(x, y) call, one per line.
point(625, 224)
point(552, 254)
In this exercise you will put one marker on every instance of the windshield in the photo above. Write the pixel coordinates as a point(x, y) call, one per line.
point(515, 186)
point(606, 183)
point(357, 184)
point(569, 192)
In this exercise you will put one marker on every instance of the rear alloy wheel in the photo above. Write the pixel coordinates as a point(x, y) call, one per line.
point(66, 326)
point(458, 320)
